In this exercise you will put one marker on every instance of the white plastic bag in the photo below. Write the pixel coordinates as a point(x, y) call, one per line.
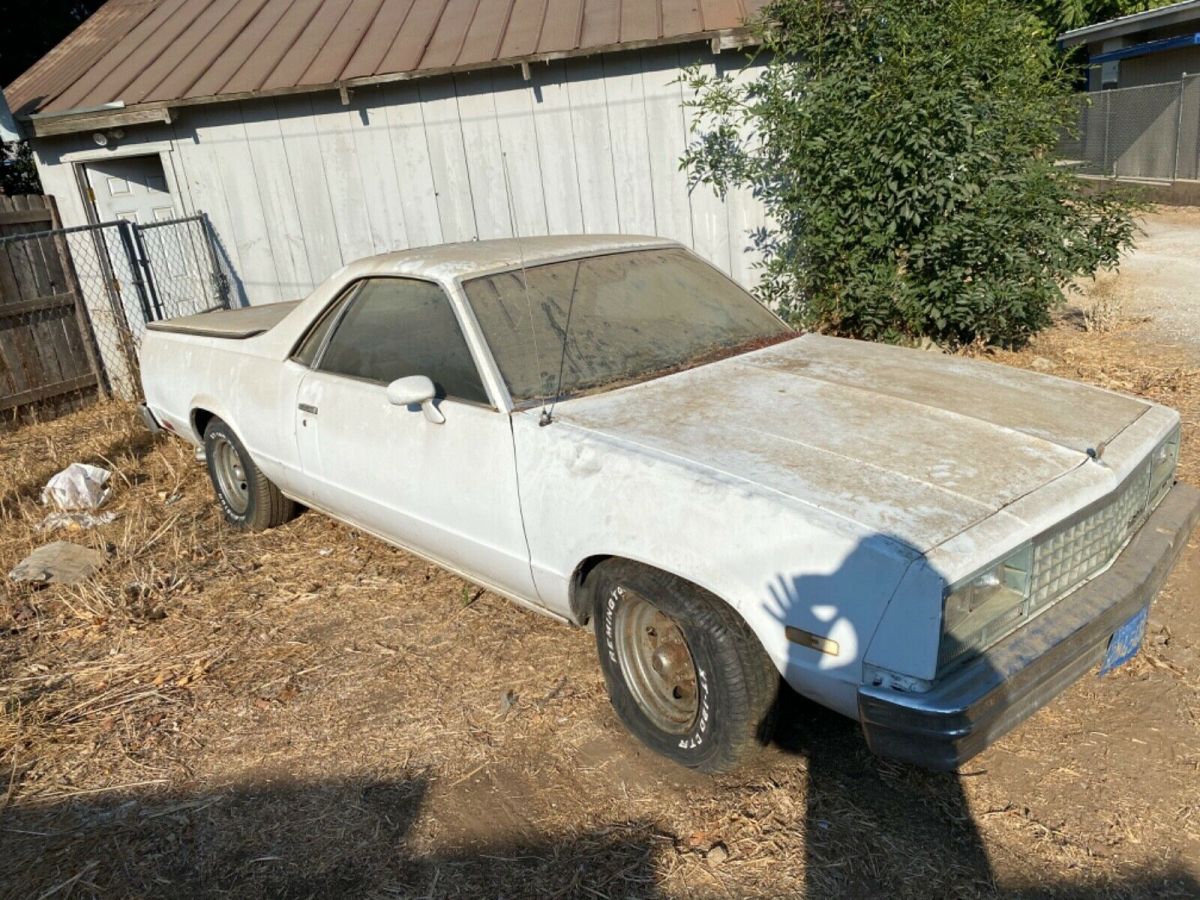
point(77, 487)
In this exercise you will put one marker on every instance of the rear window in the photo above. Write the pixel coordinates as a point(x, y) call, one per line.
point(311, 345)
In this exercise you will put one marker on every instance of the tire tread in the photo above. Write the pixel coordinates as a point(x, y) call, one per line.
point(753, 679)
point(268, 506)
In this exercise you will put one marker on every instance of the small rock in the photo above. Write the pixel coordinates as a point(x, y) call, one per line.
point(929, 345)
point(717, 854)
point(290, 692)
point(58, 563)
point(1042, 364)
point(507, 699)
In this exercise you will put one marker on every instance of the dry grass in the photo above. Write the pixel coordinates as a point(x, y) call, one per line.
point(1105, 304)
point(308, 712)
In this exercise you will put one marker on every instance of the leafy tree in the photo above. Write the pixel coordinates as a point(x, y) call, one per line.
point(1063, 15)
point(27, 32)
point(18, 174)
point(903, 151)
point(30, 30)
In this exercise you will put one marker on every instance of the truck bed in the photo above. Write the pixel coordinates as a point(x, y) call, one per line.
point(235, 324)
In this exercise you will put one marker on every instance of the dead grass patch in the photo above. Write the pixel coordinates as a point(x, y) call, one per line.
point(1104, 305)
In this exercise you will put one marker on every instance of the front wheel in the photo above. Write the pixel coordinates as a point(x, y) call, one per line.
point(248, 499)
point(685, 674)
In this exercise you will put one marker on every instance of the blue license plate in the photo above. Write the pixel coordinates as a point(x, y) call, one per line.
point(1126, 641)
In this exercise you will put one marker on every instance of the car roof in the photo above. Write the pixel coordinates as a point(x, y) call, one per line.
point(469, 258)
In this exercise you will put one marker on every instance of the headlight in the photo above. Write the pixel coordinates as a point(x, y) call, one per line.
point(980, 610)
point(1163, 462)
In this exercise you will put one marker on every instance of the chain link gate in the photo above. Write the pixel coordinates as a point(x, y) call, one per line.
point(119, 276)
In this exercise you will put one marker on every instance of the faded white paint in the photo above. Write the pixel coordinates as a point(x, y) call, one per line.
point(830, 485)
point(295, 186)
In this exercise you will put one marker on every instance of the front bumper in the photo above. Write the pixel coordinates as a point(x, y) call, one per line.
point(960, 716)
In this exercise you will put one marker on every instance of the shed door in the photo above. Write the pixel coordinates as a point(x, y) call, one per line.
point(133, 188)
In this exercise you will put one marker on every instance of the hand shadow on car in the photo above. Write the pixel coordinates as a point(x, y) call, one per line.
point(873, 827)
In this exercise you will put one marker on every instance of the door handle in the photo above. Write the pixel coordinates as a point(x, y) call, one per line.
point(311, 410)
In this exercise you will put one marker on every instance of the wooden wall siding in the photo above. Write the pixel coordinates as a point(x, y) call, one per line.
point(297, 186)
point(45, 351)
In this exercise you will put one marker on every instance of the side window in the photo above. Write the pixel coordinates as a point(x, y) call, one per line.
point(395, 327)
point(311, 345)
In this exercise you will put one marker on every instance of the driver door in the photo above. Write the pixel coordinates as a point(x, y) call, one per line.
point(448, 490)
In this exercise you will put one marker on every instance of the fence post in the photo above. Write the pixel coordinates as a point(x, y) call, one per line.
point(126, 231)
point(91, 346)
point(143, 260)
point(1107, 128)
point(220, 282)
point(116, 302)
point(1178, 130)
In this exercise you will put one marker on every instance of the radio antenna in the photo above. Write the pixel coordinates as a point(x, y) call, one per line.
point(548, 414)
point(545, 418)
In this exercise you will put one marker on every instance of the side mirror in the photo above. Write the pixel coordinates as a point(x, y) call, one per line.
point(416, 390)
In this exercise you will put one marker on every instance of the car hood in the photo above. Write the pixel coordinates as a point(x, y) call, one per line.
point(918, 446)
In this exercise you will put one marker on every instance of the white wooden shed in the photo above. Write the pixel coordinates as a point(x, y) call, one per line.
point(315, 132)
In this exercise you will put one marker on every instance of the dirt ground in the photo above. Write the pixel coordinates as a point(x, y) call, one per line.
point(308, 712)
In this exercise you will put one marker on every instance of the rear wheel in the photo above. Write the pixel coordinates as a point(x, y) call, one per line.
point(248, 499)
point(686, 675)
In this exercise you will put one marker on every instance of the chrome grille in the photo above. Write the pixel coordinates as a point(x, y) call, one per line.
point(1059, 560)
point(1063, 559)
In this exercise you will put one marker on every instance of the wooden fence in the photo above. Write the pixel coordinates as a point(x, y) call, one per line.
point(47, 350)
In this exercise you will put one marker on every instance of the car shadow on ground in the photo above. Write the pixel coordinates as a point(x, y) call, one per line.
point(352, 839)
point(329, 839)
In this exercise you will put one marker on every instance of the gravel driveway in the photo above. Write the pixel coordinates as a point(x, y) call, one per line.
point(1160, 278)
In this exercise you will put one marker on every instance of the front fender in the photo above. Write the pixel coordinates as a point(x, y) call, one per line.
point(788, 568)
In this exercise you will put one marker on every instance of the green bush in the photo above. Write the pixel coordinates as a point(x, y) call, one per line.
point(904, 153)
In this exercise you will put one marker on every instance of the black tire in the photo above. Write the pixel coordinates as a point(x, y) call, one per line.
point(736, 685)
point(248, 499)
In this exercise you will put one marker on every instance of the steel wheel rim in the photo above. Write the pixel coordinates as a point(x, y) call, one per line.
point(656, 664)
point(231, 474)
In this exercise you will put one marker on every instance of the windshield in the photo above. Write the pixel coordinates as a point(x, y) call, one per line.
point(631, 316)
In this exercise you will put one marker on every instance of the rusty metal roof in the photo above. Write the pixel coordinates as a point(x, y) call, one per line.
point(167, 52)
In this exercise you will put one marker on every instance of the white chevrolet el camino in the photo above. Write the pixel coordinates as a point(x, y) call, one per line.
point(610, 431)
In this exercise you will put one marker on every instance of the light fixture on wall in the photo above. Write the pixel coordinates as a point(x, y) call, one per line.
point(104, 138)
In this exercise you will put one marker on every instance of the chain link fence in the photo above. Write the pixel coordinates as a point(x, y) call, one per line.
point(1150, 132)
point(76, 301)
